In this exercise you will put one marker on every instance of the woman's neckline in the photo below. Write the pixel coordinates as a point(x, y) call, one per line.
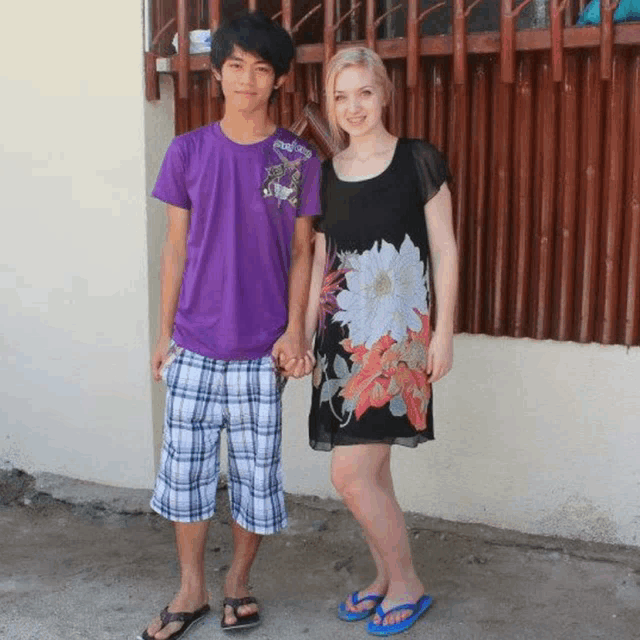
point(358, 179)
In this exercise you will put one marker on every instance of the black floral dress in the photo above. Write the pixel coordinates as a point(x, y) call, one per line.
point(370, 383)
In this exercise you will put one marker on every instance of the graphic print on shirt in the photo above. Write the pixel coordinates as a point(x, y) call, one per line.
point(282, 181)
point(381, 298)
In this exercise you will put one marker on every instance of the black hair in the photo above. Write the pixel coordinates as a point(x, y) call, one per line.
point(254, 33)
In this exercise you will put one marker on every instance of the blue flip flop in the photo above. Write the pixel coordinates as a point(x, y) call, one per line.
point(416, 609)
point(353, 616)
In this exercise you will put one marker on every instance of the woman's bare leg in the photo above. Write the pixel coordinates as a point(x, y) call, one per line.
point(362, 476)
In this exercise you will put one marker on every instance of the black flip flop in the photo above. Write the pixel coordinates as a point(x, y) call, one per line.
point(242, 622)
point(190, 619)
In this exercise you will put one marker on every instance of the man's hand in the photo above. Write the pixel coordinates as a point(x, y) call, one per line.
point(159, 357)
point(290, 356)
point(439, 356)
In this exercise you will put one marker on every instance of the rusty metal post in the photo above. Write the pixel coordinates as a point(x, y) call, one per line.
point(557, 17)
point(544, 199)
point(607, 7)
point(370, 29)
point(397, 108)
point(612, 203)
point(413, 58)
point(181, 124)
point(459, 43)
point(314, 93)
point(459, 158)
point(329, 38)
point(500, 207)
point(183, 49)
point(287, 20)
point(508, 17)
point(630, 304)
point(520, 281)
point(507, 42)
point(590, 191)
point(565, 246)
point(214, 23)
point(196, 101)
point(413, 46)
point(437, 106)
point(152, 81)
point(479, 179)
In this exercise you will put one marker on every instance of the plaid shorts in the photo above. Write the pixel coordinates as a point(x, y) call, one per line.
point(203, 397)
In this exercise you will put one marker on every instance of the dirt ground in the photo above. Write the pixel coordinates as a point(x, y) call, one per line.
point(84, 568)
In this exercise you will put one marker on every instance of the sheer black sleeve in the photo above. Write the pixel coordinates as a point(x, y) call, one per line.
point(431, 167)
point(318, 221)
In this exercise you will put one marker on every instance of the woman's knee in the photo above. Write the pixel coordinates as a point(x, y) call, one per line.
point(343, 480)
point(355, 474)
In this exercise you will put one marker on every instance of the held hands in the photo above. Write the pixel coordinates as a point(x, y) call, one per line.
point(290, 355)
point(439, 356)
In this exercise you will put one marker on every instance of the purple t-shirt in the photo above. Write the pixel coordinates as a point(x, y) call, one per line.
point(244, 201)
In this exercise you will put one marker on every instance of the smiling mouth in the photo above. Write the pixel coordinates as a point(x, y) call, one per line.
point(356, 121)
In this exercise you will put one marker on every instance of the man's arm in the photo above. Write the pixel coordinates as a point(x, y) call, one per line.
point(289, 351)
point(444, 254)
point(174, 254)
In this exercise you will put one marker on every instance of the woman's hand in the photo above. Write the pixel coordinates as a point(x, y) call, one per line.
point(439, 356)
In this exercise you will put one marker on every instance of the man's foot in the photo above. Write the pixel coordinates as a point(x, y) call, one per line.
point(240, 621)
point(239, 607)
point(158, 630)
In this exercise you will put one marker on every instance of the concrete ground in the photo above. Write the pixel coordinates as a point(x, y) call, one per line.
point(84, 561)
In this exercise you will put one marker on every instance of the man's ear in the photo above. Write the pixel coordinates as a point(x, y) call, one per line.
point(216, 75)
point(281, 80)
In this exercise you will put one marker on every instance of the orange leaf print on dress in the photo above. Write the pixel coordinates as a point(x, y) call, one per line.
point(391, 370)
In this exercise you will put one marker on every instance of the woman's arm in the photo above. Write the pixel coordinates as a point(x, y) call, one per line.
point(444, 258)
point(317, 275)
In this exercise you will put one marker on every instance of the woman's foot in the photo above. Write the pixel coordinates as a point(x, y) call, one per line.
point(398, 594)
point(376, 588)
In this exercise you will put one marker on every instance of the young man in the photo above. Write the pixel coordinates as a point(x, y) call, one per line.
point(240, 197)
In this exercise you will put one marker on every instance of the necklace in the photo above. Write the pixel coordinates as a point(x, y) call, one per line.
point(381, 153)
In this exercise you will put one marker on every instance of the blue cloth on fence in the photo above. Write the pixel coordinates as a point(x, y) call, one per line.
point(627, 10)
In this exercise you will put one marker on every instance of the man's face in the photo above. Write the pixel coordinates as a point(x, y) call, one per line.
point(247, 81)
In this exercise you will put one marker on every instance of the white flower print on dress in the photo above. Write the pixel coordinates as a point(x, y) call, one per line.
point(386, 289)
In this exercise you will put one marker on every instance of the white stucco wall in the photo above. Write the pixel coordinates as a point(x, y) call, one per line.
point(74, 384)
point(159, 130)
point(538, 436)
point(541, 437)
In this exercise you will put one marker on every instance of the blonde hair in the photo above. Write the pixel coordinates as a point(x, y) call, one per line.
point(353, 57)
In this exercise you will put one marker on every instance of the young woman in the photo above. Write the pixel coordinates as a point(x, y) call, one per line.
point(386, 221)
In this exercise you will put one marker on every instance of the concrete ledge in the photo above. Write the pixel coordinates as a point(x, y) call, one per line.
point(81, 492)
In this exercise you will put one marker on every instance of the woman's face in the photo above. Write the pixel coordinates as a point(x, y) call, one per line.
point(358, 101)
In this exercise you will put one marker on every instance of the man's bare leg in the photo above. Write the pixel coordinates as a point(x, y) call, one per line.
point(191, 539)
point(236, 585)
